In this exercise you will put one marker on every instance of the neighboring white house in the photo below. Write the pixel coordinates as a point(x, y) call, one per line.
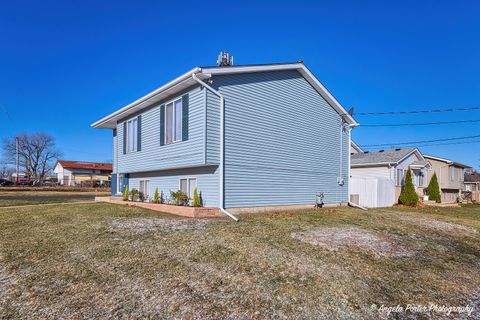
point(74, 173)
point(377, 177)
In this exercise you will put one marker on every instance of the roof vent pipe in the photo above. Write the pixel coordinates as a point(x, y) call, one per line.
point(224, 59)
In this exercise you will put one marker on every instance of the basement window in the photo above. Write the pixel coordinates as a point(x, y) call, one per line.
point(187, 185)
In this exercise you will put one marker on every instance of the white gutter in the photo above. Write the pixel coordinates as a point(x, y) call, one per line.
point(222, 145)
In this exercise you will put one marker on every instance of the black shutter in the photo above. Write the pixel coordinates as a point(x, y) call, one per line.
point(139, 133)
point(162, 124)
point(185, 117)
point(125, 137)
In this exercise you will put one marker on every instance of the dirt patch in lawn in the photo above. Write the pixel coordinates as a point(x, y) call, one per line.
point(339, 238)
point(436, 224)
point(142, 225)
point(7, 284)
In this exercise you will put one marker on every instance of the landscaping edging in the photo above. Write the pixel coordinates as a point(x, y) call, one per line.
point(191, 212)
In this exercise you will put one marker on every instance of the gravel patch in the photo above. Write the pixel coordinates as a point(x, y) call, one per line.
point(141, 225)
point(435, 224)
point(339, 238)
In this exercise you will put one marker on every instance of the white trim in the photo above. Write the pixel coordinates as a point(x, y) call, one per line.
point(438, 159)
point(184, 81)
point(377, 164)
point(110, 120)
point(355, 146)
point(248, 69)
point(135, 147)
point(147, 193)
point(174, 120)
point(188, 184)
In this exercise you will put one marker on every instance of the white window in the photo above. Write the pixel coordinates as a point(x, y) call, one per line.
point(452, 173)
point(188, 185)
point(400, 174)
point(132, 135)
point(173, 121)
point(420, 179)
point(145, 187)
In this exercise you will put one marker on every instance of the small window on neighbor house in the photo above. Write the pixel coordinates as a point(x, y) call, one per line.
point(132, 132)
point(188, 185)
point(173, 121)
point(452, 173)
point(420, 179)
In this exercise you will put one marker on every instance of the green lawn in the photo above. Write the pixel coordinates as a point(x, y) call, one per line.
point(107, 261)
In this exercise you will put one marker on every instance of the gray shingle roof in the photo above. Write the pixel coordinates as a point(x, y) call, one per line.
point(419, 163)
point(387, 156)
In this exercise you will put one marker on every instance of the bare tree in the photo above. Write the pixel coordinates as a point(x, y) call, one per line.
point(6, 171)
point(37, 153)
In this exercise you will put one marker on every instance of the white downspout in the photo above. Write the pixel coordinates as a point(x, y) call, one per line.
point(222, 145)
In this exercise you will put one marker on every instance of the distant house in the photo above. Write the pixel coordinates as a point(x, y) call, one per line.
point(74, 173)
point(450, 175)
point(377, 177)
point(246, 136)
point(471, 181)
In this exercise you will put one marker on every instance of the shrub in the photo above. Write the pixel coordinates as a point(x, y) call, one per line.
point(134, 194)
point(409, 196)
point(433, 190)
point(155, 196)
point(179, 198)
point(141, 196)
point(125, 194)
point(197, 201)
point(162, 197)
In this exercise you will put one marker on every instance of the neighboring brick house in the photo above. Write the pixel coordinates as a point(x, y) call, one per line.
point(450, 175)
point(74, 173)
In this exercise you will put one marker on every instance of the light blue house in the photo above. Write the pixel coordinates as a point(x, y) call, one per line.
point(247, 136)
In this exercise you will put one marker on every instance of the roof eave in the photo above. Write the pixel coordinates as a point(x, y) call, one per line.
point(372, 164)
point(109, 122)
point(304, 71)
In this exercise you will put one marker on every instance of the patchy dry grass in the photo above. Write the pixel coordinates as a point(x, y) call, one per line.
point(21, 198)
point(107, 261)
point(338, 238)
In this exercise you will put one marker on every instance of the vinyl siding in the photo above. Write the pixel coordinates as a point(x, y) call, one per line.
point(213, 128)
point(282, 141)
point(166, 181)
point(373, 172)
point(114, 153)
point(155, 157)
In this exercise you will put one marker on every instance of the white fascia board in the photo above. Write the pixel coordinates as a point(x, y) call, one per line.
point(247, 69)
point(110, 120)
point(372, 164)
point(309, 76)
point(409, 154)
point(106, 122)
point(356, 146)
point(327, 95)
point(439, 159)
